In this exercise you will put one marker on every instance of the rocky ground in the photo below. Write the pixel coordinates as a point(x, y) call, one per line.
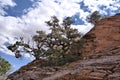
point(105, 65)
point(101, 58)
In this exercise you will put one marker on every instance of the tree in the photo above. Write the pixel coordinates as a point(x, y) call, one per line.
point(94, 17)
point(62, 40)
point(37, 50)
point(61, 37)
point(4, 66)
point(55, 46)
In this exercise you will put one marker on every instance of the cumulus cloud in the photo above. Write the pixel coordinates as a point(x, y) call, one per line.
point(27, 24)
point(110, 5)
point(4, 4)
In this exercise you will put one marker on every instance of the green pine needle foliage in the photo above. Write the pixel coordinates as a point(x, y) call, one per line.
point(4, 66)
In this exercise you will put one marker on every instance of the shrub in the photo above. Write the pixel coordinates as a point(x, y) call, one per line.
point(94, 17)
point(4, 66)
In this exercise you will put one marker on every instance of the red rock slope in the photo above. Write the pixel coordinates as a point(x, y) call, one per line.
point(105, 34)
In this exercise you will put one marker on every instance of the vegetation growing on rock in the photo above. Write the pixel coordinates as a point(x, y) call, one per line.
point(59, 47)
point(94, 17)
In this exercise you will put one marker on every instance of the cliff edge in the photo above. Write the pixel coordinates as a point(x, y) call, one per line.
point(105, 34)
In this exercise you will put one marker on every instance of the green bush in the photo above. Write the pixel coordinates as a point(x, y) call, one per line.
point(59, 61)
point(4, 66)
point(94, 17)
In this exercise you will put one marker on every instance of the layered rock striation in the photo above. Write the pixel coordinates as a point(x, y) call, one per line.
point(104, 65)
point(105, 34)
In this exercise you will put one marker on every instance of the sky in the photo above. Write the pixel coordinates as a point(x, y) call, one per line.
point(24, 17)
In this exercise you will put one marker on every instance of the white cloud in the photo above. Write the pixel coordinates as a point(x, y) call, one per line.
point(110, 4)
point(4, 4)
point(7, 2)
point(26, 25)
point(83, 28)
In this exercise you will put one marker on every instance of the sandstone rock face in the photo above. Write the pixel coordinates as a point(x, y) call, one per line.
point(101, 62)
point(105, 34)
point(105, 65)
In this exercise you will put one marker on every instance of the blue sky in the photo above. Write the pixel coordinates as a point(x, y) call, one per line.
point(18, 10)
point(15, 62)
point(23, 17)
